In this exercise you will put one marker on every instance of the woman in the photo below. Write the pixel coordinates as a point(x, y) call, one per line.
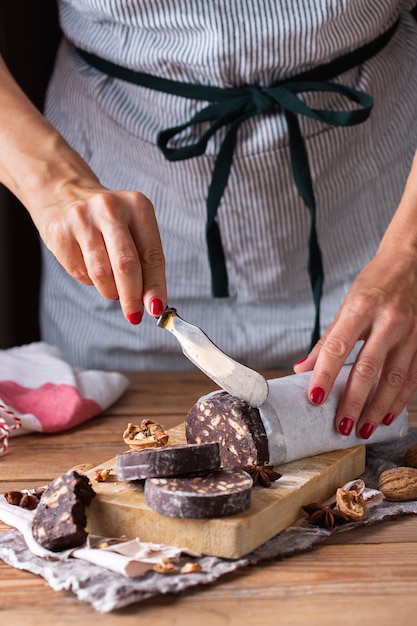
point(263, 215)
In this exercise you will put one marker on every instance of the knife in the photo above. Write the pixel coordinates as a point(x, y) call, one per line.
point(239, 380)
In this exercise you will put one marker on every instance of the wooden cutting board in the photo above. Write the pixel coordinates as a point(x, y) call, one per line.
point(119, 508)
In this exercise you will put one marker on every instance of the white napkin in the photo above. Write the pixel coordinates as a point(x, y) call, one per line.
point(40, 391)
point(131, 558)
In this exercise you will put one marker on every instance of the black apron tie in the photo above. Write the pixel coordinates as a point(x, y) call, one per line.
point(229, 108)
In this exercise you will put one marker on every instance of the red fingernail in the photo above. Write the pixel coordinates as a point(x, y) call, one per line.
point(317, 395)
point(345, 426)
point(366, 430)
point(389, 418)
point(135, 318)
point(156, 307)
point(301, 360)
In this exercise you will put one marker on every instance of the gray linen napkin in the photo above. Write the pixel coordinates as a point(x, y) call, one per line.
point(107, 591)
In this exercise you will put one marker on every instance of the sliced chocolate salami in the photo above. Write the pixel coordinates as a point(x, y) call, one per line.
point(233, 424)
point(167, 461)
point(59, 521)
point(219, 493)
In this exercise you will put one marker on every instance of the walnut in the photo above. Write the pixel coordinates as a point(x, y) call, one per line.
point(148, 435)
point(101, 475)
point(165, 566)
point(191, 568)
point(351, 503)
point(399, 484)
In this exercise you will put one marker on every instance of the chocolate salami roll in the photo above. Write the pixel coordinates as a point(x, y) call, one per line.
point(275, 433)
point(219, 493)
point(167, 461)
point(233, 424)
point(59, 521)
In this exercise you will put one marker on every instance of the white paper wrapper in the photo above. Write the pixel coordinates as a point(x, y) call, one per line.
point(130, 558)
point(297, 429)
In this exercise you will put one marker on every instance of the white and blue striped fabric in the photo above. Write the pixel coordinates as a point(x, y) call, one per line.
point(358, 172)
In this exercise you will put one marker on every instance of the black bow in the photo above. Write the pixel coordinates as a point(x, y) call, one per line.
point(231, 107)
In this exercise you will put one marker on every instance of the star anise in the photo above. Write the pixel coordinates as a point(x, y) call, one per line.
point(325, 516)
point(263, 475)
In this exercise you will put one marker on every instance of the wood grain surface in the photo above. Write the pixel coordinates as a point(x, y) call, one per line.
point(120, 509)
point(365, 575)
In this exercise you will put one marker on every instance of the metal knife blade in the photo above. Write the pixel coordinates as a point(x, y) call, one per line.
point(239, 380)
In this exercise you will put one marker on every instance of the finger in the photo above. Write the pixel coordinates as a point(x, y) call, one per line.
point(136, 257)
point(71, 258)
point(146, 235)
point(306, 363)
point(100, 270)
point(382, 404)
point(80, 247)
point(113, 261)
point(333, 353)
point(125, 269)
point(63, 244)
point(385, 357)
point(95, 255)
point(404, 394)
point(379, 368)
point(361, 380)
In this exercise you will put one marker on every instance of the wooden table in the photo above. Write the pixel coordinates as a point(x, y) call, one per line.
point(366, 575)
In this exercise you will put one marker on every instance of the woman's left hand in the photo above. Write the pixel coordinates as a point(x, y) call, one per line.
point(381, 310)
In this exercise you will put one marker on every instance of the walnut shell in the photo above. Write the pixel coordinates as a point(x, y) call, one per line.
point(399, 484)
point(351, 503)
point(410, 459)
point(148, 435)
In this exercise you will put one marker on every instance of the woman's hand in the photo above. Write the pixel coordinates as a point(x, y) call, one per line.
point(109, 239)
point(381, 310)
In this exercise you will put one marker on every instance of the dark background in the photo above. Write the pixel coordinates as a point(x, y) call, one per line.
point(29, 35)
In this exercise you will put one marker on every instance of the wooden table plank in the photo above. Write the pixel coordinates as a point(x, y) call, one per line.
point(354, 577)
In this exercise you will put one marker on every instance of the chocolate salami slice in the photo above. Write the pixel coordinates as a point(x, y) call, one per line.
point(219, 493)
point(232, 423)
point(59, 521)
point(167, 461)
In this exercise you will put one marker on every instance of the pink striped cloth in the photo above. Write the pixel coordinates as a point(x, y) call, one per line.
point(40, 391)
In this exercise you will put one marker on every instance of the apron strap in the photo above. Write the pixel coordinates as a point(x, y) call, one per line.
point(229, 108)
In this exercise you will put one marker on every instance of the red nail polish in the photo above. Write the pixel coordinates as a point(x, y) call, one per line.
point(389, 418)
point(366, 430)
point(317, 395)
point(156, 307)
point(301, 361)
point(135, 318)
point(345, 426)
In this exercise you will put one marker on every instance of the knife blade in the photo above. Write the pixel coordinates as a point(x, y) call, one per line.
point(239, 380)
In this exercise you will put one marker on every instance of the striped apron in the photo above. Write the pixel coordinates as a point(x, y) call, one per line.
point(357, 172)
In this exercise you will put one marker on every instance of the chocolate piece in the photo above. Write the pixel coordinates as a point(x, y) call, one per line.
point(59, 521)
point(235, 425)
point(219, 493)
point(167, 461)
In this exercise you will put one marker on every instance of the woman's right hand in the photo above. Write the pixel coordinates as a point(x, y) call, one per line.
point(109, 239)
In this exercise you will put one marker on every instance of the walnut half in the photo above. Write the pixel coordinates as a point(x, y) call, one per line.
point(148, 435)
point(351, 503)
point(165, 566)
